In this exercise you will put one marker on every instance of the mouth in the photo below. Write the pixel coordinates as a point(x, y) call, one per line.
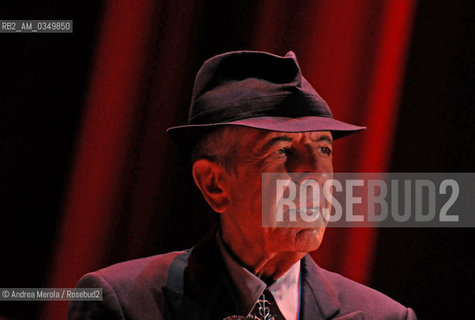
point(306, 211)
point(305, 217)
point(313, 210)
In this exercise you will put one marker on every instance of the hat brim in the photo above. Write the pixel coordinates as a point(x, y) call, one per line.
point(189, 133)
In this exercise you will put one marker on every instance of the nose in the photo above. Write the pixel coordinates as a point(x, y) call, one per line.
point(307, 163)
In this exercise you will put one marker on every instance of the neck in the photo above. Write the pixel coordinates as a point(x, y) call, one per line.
point(269, 266)
point(276, 266)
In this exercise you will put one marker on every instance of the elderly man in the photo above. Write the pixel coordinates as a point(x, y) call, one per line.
point(251, 113)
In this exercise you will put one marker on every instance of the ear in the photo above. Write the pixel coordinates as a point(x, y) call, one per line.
point(211, 179)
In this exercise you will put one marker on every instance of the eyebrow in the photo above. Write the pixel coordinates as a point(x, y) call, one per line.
point(275, 140)
point(286, 138)
point(325, 137)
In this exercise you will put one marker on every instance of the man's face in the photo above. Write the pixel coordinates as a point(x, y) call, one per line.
point(262, 151)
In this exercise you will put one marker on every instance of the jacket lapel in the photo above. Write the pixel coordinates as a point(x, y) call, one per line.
point(357, 315)
point(198, 286)
point(319, 301)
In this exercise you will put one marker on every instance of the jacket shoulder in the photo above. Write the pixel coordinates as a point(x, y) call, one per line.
point(131, 289)
point(142, 273)
point(355, 296)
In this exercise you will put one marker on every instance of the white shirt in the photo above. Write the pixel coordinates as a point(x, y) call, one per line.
point(285, 289)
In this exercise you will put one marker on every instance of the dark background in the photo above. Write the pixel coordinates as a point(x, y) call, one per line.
point(44, 78)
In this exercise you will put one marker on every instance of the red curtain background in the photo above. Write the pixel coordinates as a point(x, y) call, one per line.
point(125, 182)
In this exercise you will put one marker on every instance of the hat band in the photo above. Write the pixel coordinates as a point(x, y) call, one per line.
point(283, 105)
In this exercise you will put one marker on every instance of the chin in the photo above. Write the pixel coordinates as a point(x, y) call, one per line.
point(296, 240)
point(308, 240)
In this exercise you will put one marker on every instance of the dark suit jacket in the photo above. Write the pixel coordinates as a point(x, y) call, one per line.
point(194, 284)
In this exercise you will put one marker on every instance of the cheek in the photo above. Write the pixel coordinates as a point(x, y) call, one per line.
point(327, 164)
point(246, 193)
point(248, 182)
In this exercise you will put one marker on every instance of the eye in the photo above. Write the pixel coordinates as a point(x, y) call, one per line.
point(326, 150)
point(284, 150)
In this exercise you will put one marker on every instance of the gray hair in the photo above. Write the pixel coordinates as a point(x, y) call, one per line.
point(219, 146)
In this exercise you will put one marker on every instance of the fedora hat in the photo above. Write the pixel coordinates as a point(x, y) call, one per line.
point(257, 90)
